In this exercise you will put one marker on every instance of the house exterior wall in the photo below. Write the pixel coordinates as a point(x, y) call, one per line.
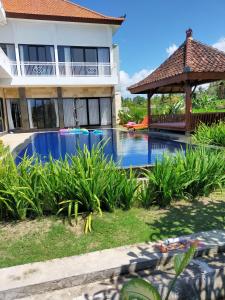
point(21, 31)
point(55, 33)
point(60, 94)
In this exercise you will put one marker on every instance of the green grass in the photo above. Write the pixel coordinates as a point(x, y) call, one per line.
point(48, 238)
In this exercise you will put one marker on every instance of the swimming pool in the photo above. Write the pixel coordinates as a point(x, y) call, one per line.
point(126, 148)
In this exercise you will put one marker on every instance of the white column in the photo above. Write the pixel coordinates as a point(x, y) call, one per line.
point(56, 60)
point(18, 59)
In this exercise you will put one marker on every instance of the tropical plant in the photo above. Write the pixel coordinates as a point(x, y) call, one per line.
point(85, 184)
point(203, 100)
point(211, 135)
point(124, 117)
point(176, 108)
point(143, 290)
point(197, 172)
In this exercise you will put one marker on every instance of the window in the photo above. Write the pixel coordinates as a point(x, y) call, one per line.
point(37, 60)
point(2, 125)
point(92, 56)
point(9, 50)
point(14, 113)
point(36, 53)
point(43, 113)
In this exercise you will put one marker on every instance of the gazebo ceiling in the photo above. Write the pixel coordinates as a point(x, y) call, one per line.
point(193, 61)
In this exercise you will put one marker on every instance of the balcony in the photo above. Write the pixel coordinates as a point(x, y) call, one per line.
point(65, 69)
point(56, 74)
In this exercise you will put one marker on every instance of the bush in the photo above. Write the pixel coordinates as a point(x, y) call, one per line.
point(203, 100)
point(197, 173)
point(90, 183)
point(211, 135)
point(85, 184)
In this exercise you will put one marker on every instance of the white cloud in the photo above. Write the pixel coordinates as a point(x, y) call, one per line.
point(171, 49)
point(126, 80)
point(220, 44)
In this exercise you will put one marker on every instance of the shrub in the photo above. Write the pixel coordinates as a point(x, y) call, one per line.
point(196, 173)
point(211, 135)
point(84, 184)
point(203, 100)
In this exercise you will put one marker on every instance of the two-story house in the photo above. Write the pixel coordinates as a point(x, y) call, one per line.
point(58, 66)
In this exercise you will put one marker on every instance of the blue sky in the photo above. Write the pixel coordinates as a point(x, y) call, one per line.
point(153, 26)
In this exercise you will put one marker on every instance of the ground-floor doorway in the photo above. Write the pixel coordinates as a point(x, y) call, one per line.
point(87, 112)
point(43, 113)
point(13, 113)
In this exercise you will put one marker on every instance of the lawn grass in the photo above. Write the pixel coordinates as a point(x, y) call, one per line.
point(49, 238)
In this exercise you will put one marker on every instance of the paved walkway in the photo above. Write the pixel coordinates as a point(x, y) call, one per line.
point(24, 280)
point(13, 140)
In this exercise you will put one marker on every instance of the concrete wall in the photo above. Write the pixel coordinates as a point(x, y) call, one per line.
point(51, 92)
point(21, 31)
point(86, 92)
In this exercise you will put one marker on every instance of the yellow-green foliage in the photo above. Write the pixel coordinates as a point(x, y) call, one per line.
point(86, 183)
point(196, 173)
point(211, 135)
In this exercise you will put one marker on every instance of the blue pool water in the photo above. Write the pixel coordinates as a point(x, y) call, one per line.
point(126, 148)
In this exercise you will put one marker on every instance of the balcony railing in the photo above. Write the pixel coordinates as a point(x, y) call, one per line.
point(63, 69)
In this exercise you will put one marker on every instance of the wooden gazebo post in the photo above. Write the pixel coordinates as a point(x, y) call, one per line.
point(150, 94)
point(188, 106)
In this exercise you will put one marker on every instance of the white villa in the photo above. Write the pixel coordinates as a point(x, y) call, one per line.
point(58, 66)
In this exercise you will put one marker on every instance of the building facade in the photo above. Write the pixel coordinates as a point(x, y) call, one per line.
point(58, 66)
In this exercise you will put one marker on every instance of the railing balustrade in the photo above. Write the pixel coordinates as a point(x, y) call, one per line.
point(72, 69)
point(206, 118)
point(196, 119)
point(84, 69)
point(168, 118)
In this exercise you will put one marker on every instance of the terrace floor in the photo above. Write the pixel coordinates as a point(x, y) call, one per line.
point(14, 140)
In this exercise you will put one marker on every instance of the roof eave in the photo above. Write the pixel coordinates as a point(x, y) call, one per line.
point(195, 77)
point(144, 88)
point(111, 21)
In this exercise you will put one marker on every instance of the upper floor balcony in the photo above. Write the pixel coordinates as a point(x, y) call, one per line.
point(69, 69)
point(65, 71)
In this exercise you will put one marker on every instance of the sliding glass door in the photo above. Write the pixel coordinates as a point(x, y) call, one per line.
point(87, 112)
point(14, 113)
point(84, 61)
point(43, 113)
point(93, 108)
point(81, 112)
point(69, 113)
point(91, 56)
point(37, 60)
point(106, 111)
point(2, 125)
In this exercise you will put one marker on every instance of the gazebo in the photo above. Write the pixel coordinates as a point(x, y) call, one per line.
point(192, 64)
